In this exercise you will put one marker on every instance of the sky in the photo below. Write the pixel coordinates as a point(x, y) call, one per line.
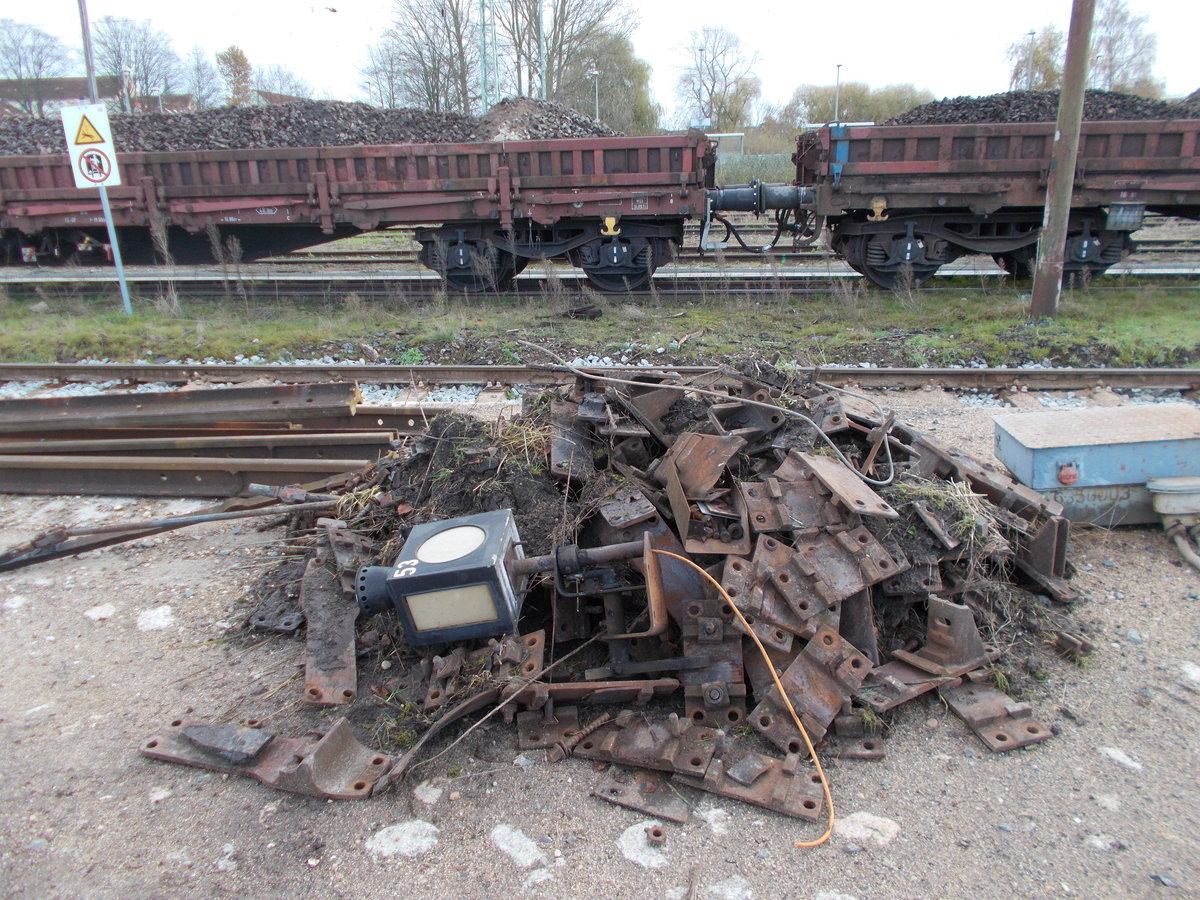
point(950, 47)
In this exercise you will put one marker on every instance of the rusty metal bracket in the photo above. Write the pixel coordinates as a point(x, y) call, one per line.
point(952, 642)
point(330, 669)
point(893, 683)
point(673, 745)
point(821, 678)
point(645, 792)
point(847, 488)
point(570, 451)
point(333, 764)
point(999, 721)
point(777, 505)
point(544, 728)
point(782, 785)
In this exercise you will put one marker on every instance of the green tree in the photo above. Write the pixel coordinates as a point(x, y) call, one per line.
point(621, 84)
point(1036, 61)
point(237, 74)
point(854, 101)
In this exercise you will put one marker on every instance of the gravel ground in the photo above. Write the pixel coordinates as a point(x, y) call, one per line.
point(103, 650)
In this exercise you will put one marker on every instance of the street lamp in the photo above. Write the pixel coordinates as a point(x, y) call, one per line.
point(594, 74)
point(1029, 64)
point(837, 96)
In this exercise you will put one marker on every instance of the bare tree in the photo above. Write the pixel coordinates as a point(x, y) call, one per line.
point(236, 73)
point(30, 55)
point(200, 79)
point(1036, 61)
point(281, 80)
point(1123, 52)
point(383, 75)
point(429, 58)
point(568, 28)
point(717, 83)
point(138, 53)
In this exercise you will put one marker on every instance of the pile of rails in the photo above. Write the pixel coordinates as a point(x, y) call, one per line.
point(310, 123)
point(1042, 106)
point(193, 443)
point(698, 537)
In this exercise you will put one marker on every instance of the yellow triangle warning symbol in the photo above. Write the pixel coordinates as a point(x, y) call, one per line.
point(87, 133)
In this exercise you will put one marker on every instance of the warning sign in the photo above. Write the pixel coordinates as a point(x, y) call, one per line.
point(89, 141)
point(87, 133)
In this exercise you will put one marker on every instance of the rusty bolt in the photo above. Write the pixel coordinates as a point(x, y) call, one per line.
point(710, 627)
point(715, 694)
point(655, 836)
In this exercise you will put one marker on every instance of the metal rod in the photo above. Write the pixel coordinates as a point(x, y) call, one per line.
point(1047, 278)
point(108, 219)
point(184, 521)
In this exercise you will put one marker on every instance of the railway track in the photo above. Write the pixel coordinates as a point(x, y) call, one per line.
point(675, 281)
point(501, 378)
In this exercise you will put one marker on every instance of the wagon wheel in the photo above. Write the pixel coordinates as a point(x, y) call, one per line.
point(493, 270)
point(641, 256)
point(870, 259)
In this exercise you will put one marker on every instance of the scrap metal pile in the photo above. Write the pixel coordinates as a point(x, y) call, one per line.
point(624, 543)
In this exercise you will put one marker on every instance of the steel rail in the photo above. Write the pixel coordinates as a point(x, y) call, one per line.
point(498, 378)
point(159, 476)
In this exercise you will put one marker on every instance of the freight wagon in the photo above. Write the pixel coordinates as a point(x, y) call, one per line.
point(615, 207)
point(900, 201)
point(897, 202)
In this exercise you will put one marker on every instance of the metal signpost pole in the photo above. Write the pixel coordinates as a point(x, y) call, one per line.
point(108, 219)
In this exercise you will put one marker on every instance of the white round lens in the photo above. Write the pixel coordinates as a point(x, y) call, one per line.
point(451, 544)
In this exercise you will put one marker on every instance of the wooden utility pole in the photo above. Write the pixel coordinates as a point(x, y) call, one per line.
point(1047, 277)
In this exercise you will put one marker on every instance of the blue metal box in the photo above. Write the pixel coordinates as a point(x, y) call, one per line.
point(1095, 462)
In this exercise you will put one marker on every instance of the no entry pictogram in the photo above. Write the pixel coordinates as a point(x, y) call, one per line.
point(95, 166)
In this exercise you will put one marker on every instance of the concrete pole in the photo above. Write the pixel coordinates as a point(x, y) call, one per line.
point(1047, 278)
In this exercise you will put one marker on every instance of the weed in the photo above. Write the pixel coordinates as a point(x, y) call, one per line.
point(872, 723)
point(413, 356)
point(1000, 680)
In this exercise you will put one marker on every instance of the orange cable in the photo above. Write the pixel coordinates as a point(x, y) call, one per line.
point(779, 686)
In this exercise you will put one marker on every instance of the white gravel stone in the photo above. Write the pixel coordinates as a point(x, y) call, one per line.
point(1120, 757)
point(520, 848)
point(15, 602)
point(101, 612)
point(411, 838)
point(428, 792)
point(867, 830)
point(156, 619)
point(735, 887)
point(634, 847)
point(717, 819)
point(1191, 670)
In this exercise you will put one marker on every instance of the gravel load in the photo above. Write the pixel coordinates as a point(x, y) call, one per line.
point(525, 119)
point(310, 123)
point(1189, 106)
point(1041, 106)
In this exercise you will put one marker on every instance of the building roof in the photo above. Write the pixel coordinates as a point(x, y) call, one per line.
point(22, 89)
